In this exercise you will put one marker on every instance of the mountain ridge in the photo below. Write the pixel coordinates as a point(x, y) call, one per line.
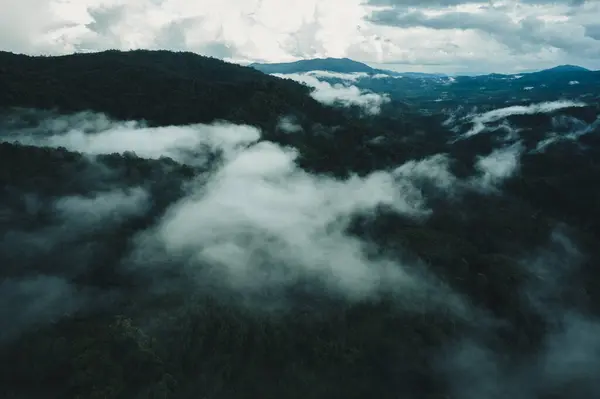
point(330, 64)
point(161, 83)
point(336, 256)
point(347, 65)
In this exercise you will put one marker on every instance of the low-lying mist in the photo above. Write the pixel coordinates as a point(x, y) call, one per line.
point(564, 362)
point(340, 93)
point(255, 222)
point(143, 214)
point(481, 121)
point(95, 134)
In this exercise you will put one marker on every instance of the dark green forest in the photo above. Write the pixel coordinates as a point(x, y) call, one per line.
point(511, 311)
point(438, 93)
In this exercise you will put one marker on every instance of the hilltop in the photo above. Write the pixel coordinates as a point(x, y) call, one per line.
point(339, 65)
point(166, 88)
point(347, 65)
point(566, 68)
point(433, 93)
point(178, 227)
point(161, 87)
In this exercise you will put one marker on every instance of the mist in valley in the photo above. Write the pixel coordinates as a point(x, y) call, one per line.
point(216, 260)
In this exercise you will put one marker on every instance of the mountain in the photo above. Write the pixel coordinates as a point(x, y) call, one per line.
point(178, 88)
point(339, 65)
point(346, 65)
point(178, 227)
point(435, 92)
point(432, 93)
point(422, 75)
point(159, 86)
point(565, 68)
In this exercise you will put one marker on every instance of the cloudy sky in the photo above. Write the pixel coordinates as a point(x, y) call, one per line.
point(450, 36)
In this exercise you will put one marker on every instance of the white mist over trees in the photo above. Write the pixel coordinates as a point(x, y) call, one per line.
point(278, 247)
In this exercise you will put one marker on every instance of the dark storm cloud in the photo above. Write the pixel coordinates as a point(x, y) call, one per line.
point(593, 31)
point(452, 20)
point(451, 3)
point(103, 19)
point(422, 3)
point(527, 35)
point(173, 36)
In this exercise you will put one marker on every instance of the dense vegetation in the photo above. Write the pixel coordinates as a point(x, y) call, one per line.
point(435, 92)
point(163, 87)
point(342, 65)
point(81, 322)
point(166, 88)
point(491, 91)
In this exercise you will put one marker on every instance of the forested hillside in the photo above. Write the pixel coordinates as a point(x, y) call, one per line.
point(435, 93)
point(173, 226)
point(167, 88)
point(160, 86)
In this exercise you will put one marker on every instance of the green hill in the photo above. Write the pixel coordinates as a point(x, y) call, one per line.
point(159, 86)
point(340, 65)
point(385, 261)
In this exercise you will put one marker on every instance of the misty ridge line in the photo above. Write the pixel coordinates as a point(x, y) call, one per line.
point(569, 352)
point(95, 134)
point(214, 253)
point(259, 223)
point(274, 210)
point(267, 164)
point(576, 129)
point(481, 121)
point(339, 93)
point(332, 66)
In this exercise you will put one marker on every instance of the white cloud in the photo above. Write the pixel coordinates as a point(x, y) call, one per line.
point(490, 37)
point(288, 124)
point(568, 354)
point(100, 208)
point(497, 167)
point(492, 170)
point(261, 209)
point(521, 34)
point(31, 301)
point(384, 76)
point(77, 216)
point(96, 134)
point(260, 222)
point(61, 247)
point(352, 77)
point(435, 169)
point(480, 121)
point(340, 94)
point(24, 26)
point(257, 222)
point(575, 128)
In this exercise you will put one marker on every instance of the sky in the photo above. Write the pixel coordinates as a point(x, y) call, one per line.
point(448, 36)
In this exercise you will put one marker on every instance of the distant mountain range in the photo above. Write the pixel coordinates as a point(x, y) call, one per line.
point(205, 230)
point(338, 65)
point(439, 91)
point(346, 65)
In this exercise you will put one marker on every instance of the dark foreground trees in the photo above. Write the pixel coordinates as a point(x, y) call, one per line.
point(77, 322)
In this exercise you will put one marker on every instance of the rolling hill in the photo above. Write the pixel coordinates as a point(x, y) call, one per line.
point(177, 227)
point(159, 86)
point(340, 65)
point(435, 92)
